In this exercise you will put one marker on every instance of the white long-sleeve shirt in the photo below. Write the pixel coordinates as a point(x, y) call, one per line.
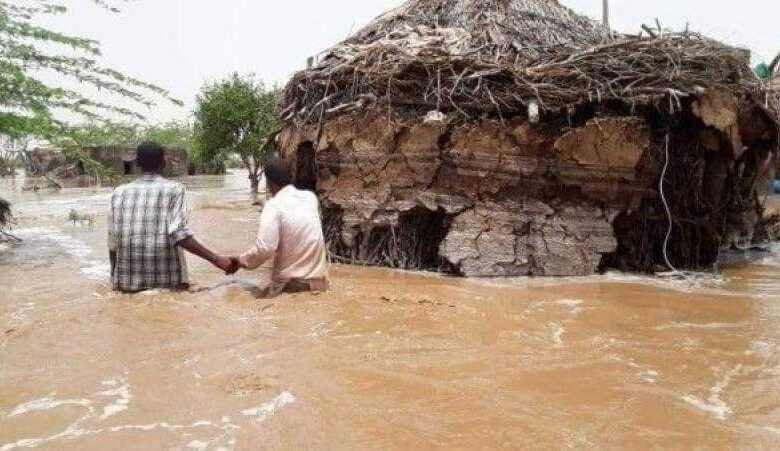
point(291, 230)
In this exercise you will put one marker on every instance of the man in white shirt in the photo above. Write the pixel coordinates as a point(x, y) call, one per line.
point(290, 232)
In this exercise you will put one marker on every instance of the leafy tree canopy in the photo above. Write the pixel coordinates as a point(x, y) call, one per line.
point(170, 134)
point(237, 115)
point(763, 72)
point(28, 104)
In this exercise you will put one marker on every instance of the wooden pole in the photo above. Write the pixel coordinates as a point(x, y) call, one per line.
point(606, 13)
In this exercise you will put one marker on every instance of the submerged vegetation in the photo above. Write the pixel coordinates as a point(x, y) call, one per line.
point(5, 212)
point(7, 166)
point(5, 221)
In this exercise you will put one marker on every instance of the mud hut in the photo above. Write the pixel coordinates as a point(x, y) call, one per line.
point(515, 137)
point(120, 159)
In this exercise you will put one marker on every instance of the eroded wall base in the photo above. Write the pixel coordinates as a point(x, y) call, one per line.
point(510, 198)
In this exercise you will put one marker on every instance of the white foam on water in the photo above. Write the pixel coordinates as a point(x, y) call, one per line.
point(19, 316)
point(699, 326)
point(121, 395)
point(558, 332)
point(696, 282)
point(574, 305)
point(650, 376)
point(197, 444)
point(714, 405)
point(773, 257)
point(154, 292)
point(762, 348)
point(164, 425)
point(48, 403)
point(72, 431)
point(77, 249)
point(269, 409)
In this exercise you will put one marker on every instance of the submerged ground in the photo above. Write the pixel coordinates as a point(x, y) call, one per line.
point(385, 360)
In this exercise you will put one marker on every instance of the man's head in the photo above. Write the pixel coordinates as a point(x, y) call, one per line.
point(150, 157)
point(276, 175)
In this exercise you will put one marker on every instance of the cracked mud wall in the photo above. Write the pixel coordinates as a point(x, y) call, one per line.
point(517, 198)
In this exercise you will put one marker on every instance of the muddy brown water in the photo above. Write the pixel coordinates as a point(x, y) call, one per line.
point(386, 360)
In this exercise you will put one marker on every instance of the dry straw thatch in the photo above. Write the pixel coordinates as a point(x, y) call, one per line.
point(495, 57)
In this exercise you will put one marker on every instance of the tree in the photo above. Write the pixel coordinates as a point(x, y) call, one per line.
point(170, 134)
point(237, 115)
point(768, 71)
point(29, 51)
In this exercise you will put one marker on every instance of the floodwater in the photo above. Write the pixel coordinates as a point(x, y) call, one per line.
point(386, 360)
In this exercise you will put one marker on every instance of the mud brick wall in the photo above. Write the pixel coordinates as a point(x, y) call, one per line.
point(557, 198)
point(516, 199)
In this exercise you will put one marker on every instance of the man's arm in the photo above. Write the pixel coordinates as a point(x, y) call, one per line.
point(266, 243)
point(193, 246)
point(180, 235)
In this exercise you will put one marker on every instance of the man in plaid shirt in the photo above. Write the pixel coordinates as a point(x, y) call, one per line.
point(147, 230)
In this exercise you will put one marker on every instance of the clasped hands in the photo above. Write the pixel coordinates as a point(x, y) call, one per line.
point(230, 265)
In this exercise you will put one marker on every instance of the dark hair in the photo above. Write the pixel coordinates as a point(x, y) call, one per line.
point(150, 156)
point(276, 171)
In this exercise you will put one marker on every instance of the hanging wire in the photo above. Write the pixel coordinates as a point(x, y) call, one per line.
point(668, 210)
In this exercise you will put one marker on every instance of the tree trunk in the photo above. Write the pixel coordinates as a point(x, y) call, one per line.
point(254, 180)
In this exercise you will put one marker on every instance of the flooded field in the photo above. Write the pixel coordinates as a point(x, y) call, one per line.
point(386, 360)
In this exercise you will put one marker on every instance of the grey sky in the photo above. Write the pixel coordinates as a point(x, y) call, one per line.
point(180, 44)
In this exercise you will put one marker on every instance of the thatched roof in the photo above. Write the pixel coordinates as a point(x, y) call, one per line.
point(530, 28)
point(476, 57)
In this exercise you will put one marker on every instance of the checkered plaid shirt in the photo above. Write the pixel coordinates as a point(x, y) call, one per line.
point(148, 218)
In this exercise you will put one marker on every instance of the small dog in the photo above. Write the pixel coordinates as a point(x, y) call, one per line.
point(81, 218)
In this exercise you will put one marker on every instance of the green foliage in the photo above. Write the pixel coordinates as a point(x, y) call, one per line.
point(171, 134)
point(27, 51)
point(237, 116)
point(93, 134)
point(768, 71)
point(762, 71)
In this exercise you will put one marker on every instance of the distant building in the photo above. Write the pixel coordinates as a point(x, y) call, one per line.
point(122, 160)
